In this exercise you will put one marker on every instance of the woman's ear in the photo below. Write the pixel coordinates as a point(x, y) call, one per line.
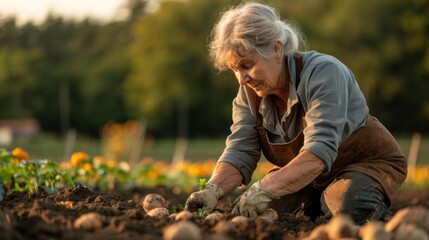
point(278, 50)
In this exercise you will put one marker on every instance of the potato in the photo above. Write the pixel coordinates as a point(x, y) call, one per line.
point(319, 233)
point(407, 231)
point(89, 222)
point(184, 215)
point(158, 212)
point(342, 226)
point(265, 219)
point(183, 230)
point(216, 216)
point(152, 201)
point(239, 219)
point(271, 214)
point(223, 227)
point(374, 231)
point(416, 215)
point(217, 236)
point(67, 204)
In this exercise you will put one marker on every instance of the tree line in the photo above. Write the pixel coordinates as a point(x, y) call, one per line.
point(154, 66)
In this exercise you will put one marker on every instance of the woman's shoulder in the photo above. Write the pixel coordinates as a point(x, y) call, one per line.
point(313, 60)
point(316, 58)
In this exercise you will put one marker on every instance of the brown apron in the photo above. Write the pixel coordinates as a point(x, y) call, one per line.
point(371, 150)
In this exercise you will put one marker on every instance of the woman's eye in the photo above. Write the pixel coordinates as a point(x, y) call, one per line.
point(242, 66)
point(247, 66)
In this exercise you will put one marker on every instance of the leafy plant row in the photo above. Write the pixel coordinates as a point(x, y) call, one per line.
point(20, 173)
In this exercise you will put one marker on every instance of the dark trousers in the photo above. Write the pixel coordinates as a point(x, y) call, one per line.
point(352, 193)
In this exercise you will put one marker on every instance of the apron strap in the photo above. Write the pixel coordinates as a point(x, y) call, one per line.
point(298, 67)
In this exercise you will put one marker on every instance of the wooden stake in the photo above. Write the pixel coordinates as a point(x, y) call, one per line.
point(412, 156)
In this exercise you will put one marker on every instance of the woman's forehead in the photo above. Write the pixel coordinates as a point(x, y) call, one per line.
point(236, 57)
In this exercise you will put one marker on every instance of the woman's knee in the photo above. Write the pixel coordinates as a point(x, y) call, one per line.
point(304, 202)
point(356, 194)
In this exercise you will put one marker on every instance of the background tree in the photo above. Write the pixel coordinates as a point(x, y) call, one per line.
point(155, 66)
point(172, 78)
point(385, 45)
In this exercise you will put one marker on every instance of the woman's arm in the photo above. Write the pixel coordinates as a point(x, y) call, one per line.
point(226, 176)
point(300, 172)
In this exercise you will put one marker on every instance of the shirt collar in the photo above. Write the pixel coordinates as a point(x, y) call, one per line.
point(293, 95)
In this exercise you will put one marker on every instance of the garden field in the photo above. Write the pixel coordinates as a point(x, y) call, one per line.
point(41, 216)
point(47, 199)
point(53, 148)
point(120, 214)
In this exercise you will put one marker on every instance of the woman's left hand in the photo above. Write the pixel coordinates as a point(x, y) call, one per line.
point(252, 202)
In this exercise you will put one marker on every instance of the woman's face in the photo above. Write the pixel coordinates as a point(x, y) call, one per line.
point(260, 74)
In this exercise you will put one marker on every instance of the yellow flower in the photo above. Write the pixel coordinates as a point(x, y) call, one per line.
point(111, 163)
point(194, 170)
point(78, 157)
point(208, 167)
point(98, 160)
point(20, 154)
point(87, 167)
point(95, 176)
point(152, 175)
point(183, 166)
point(421, 175)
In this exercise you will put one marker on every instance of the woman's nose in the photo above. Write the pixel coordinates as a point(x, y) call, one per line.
point(242, 77)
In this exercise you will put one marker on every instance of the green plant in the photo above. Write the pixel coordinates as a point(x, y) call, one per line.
point(202, 184)
point(202, 212)
point(32, 174)
point(177, 208)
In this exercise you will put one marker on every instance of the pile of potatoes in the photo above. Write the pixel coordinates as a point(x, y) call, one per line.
point(156, 206)
point(410, 223)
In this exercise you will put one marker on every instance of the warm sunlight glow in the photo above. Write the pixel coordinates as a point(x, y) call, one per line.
point(36, 11)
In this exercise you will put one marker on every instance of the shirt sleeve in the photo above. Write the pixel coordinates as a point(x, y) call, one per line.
point(326, 97)
point(242, 145)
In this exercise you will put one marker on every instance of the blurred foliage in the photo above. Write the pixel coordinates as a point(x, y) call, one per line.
point(154, 66)
point(172, 75)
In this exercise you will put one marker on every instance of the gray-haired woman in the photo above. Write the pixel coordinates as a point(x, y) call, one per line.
point(306, 113)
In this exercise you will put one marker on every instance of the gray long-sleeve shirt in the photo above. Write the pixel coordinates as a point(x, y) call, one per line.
point(334, 107)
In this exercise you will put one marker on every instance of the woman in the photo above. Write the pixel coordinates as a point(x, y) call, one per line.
point(306, 113)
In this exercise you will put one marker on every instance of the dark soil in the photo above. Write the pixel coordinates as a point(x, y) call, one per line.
point(43, 216)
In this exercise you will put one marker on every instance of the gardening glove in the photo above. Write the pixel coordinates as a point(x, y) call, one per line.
point(252, 202)
point(205, 199)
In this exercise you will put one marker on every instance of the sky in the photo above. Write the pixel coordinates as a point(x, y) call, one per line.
point(36, 10)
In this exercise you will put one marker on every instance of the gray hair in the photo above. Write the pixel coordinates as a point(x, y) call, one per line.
point(248, 27)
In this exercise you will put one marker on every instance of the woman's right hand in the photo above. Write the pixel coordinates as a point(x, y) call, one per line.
point(206, 199)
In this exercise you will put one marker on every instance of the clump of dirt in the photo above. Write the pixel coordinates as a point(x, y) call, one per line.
point(41, 215)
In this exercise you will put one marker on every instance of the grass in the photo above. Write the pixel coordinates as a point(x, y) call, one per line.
point(46, 146)
point(53, 148)
point(197, 149)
